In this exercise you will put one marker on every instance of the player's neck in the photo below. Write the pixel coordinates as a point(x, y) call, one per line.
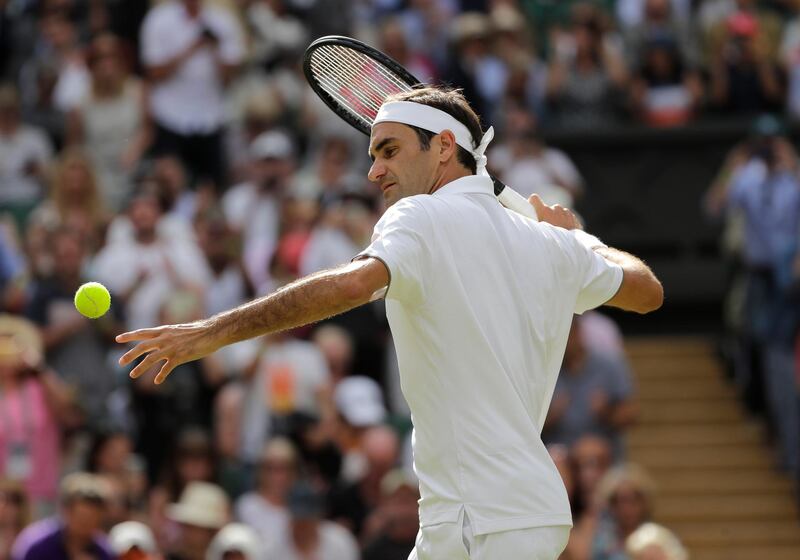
point(450, 174)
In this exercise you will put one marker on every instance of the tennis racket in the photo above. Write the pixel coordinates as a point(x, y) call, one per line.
point(354, 79)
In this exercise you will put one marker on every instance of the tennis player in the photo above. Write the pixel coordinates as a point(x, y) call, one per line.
point(480, 301)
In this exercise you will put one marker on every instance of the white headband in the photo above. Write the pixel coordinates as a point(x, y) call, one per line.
point(434, 120)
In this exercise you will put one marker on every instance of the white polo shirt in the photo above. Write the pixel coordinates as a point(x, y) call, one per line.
point(480, 303)
point(191, 100)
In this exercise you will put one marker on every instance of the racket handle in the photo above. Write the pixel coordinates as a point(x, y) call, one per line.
point(512, 200)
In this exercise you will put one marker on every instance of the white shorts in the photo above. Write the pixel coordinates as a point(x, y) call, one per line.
point(455, 541)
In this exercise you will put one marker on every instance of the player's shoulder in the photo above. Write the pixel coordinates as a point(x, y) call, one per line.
point(411, 210)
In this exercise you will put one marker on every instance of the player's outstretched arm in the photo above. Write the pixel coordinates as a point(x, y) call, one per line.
point(304, 301)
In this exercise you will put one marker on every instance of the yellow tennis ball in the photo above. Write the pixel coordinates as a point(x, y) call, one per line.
point(92, 300)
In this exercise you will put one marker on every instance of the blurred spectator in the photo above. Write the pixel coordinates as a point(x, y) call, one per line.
point(763, 187)
point(790, 62)
point(201, 512)
point(634, 13)
point(34, 406)
point(659, 22)
point(25, 152)
point(359, 402)
point(229, 286)
point(532, 166)
point(343, 229)
point(14, 514)
point(350, 503)
point(191, 460)
point(336, 344)
point(426, 24)
point(288, 376)
point(654, 542)
point(178, 202)
point(593, 394)
point(391, 529)
point(526, 80)
point(592, 455)
point(587, 76)
point(601, 334)
point(76, 346)
point(145, 260)
point(265, 508)
point(274, 31)
point(744, 74)
point(110, 120)
point(309, 536)
point(473, 65)
point(721, 19)
point(565, 464)
point(13, 269)
point(665, 91)
point(76, 532)
point(252, 207)
point(626, 501)
point(132, 540)
point(236, 542)
point(109, 454)
point(394, 43)
point(74, 202)
point(58, 48)
point(330, 174)
point(190, 50)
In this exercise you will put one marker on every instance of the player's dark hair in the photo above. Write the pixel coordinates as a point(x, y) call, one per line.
point(452, 102)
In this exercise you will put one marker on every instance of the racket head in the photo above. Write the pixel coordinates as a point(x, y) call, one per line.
point(353, 79)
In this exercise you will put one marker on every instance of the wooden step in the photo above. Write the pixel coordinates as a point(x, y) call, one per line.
point(676, 371)
point(668, 347)
point(690, 412)
point(760, 552)
point(699, 434)
point(688, 507)
point(739, 533)
point(711, 481)
point(694, 457)
point(692, 388)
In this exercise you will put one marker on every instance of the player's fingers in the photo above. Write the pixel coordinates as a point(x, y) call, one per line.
point(137, 351)
point(537, 204)
point(146, 364)
point(166, 369)
point(141, 334)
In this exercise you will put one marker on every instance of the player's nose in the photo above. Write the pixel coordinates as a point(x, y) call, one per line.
point(376, 171)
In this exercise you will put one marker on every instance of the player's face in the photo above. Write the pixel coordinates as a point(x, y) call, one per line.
point(400, 167)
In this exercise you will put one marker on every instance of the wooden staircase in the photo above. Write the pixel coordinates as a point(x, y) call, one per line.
point(717, 486)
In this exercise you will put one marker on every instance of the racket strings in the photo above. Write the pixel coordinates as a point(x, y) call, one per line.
point(359, 83)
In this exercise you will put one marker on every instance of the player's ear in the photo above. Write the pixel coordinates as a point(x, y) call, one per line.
point(447, 146)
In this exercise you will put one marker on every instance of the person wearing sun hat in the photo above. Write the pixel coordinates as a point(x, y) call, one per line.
point(133, 540)
point(202, 510)
point(236, 541)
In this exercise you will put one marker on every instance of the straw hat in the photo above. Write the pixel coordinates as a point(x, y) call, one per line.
point(202, 504)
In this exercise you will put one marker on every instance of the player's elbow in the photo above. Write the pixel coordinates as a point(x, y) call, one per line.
point(652, 297)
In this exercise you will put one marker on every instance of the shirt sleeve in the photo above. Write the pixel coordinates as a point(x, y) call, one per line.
point(156, 46)
point(398, 241)
point(231, 45)
point(601, 280)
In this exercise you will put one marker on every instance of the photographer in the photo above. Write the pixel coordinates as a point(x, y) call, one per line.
point(760, 189)
point(34, 405)
point(190, 51)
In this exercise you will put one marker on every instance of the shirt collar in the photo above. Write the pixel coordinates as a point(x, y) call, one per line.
point(476, 184)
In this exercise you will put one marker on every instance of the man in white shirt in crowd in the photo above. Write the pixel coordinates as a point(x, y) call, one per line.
point(190, 50)
point(480, 302)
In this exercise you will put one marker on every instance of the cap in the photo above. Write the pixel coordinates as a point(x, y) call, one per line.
point(202, 504)
point(128, 534)
point(235, 537)
point(743, 24)
point(360, 400)
point(273, 144)
point(304, 501)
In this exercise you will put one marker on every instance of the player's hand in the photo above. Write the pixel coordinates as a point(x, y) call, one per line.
point(172, 344)
point(555, 215)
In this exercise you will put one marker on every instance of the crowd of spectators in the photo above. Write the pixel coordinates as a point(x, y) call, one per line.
point(171, 150)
